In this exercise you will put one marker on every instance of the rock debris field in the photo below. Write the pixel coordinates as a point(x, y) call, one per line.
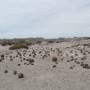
point(55, 66)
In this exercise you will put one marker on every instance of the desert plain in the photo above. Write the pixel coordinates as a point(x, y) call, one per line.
point(46, 66)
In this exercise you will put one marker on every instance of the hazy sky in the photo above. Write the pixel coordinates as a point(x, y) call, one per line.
point(44, 18)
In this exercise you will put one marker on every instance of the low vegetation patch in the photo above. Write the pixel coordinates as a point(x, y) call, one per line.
point(18, 46)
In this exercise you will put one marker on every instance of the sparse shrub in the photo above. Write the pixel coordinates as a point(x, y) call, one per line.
point(11, 59)
point(71, 51)
point(62, 59)
point(29, 54)
point(39, 42)
point(72, 67)
point(25, 63)
point(6, 42)
point(50, 41)
point(16, 55)
point(72, 57)
point(86, 66)
point(15, 72)
point(84, 53)
point(54, 66)
point(68, 60)
point(24, 59)
point(19, 64)
point(77, 62)
point(57, 42)
point(31, 61)
point(20, 60)
point(88, 44)
point(76, 54)
point(6, 71)
point(88, 52)
point(83, 58)
point(54, 59)
point(0, 60)
point(44, 56)
point(2, 57)
point(10, 56)
point(20, 75)
point(29, 43)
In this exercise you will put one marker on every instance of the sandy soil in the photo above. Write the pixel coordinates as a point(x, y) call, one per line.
point(57, 66)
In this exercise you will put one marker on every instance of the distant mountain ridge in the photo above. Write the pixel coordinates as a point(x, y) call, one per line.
point(40, 39)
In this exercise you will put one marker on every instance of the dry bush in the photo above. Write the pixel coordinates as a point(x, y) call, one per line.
point(20, 75)
point(54, 66)
point(31, 61)
point(15, 72)
point(2, 57)
point(54, 59)
point(6, 71)
point(86, 66)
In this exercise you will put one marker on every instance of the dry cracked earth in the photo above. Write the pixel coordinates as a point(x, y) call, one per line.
point(57, 66)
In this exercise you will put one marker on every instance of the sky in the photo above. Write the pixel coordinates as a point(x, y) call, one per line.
point(44, 18)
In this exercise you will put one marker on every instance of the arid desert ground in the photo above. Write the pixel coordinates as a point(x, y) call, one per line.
point(46, 66)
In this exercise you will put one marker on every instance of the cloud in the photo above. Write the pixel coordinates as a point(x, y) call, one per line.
point(48, 18)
